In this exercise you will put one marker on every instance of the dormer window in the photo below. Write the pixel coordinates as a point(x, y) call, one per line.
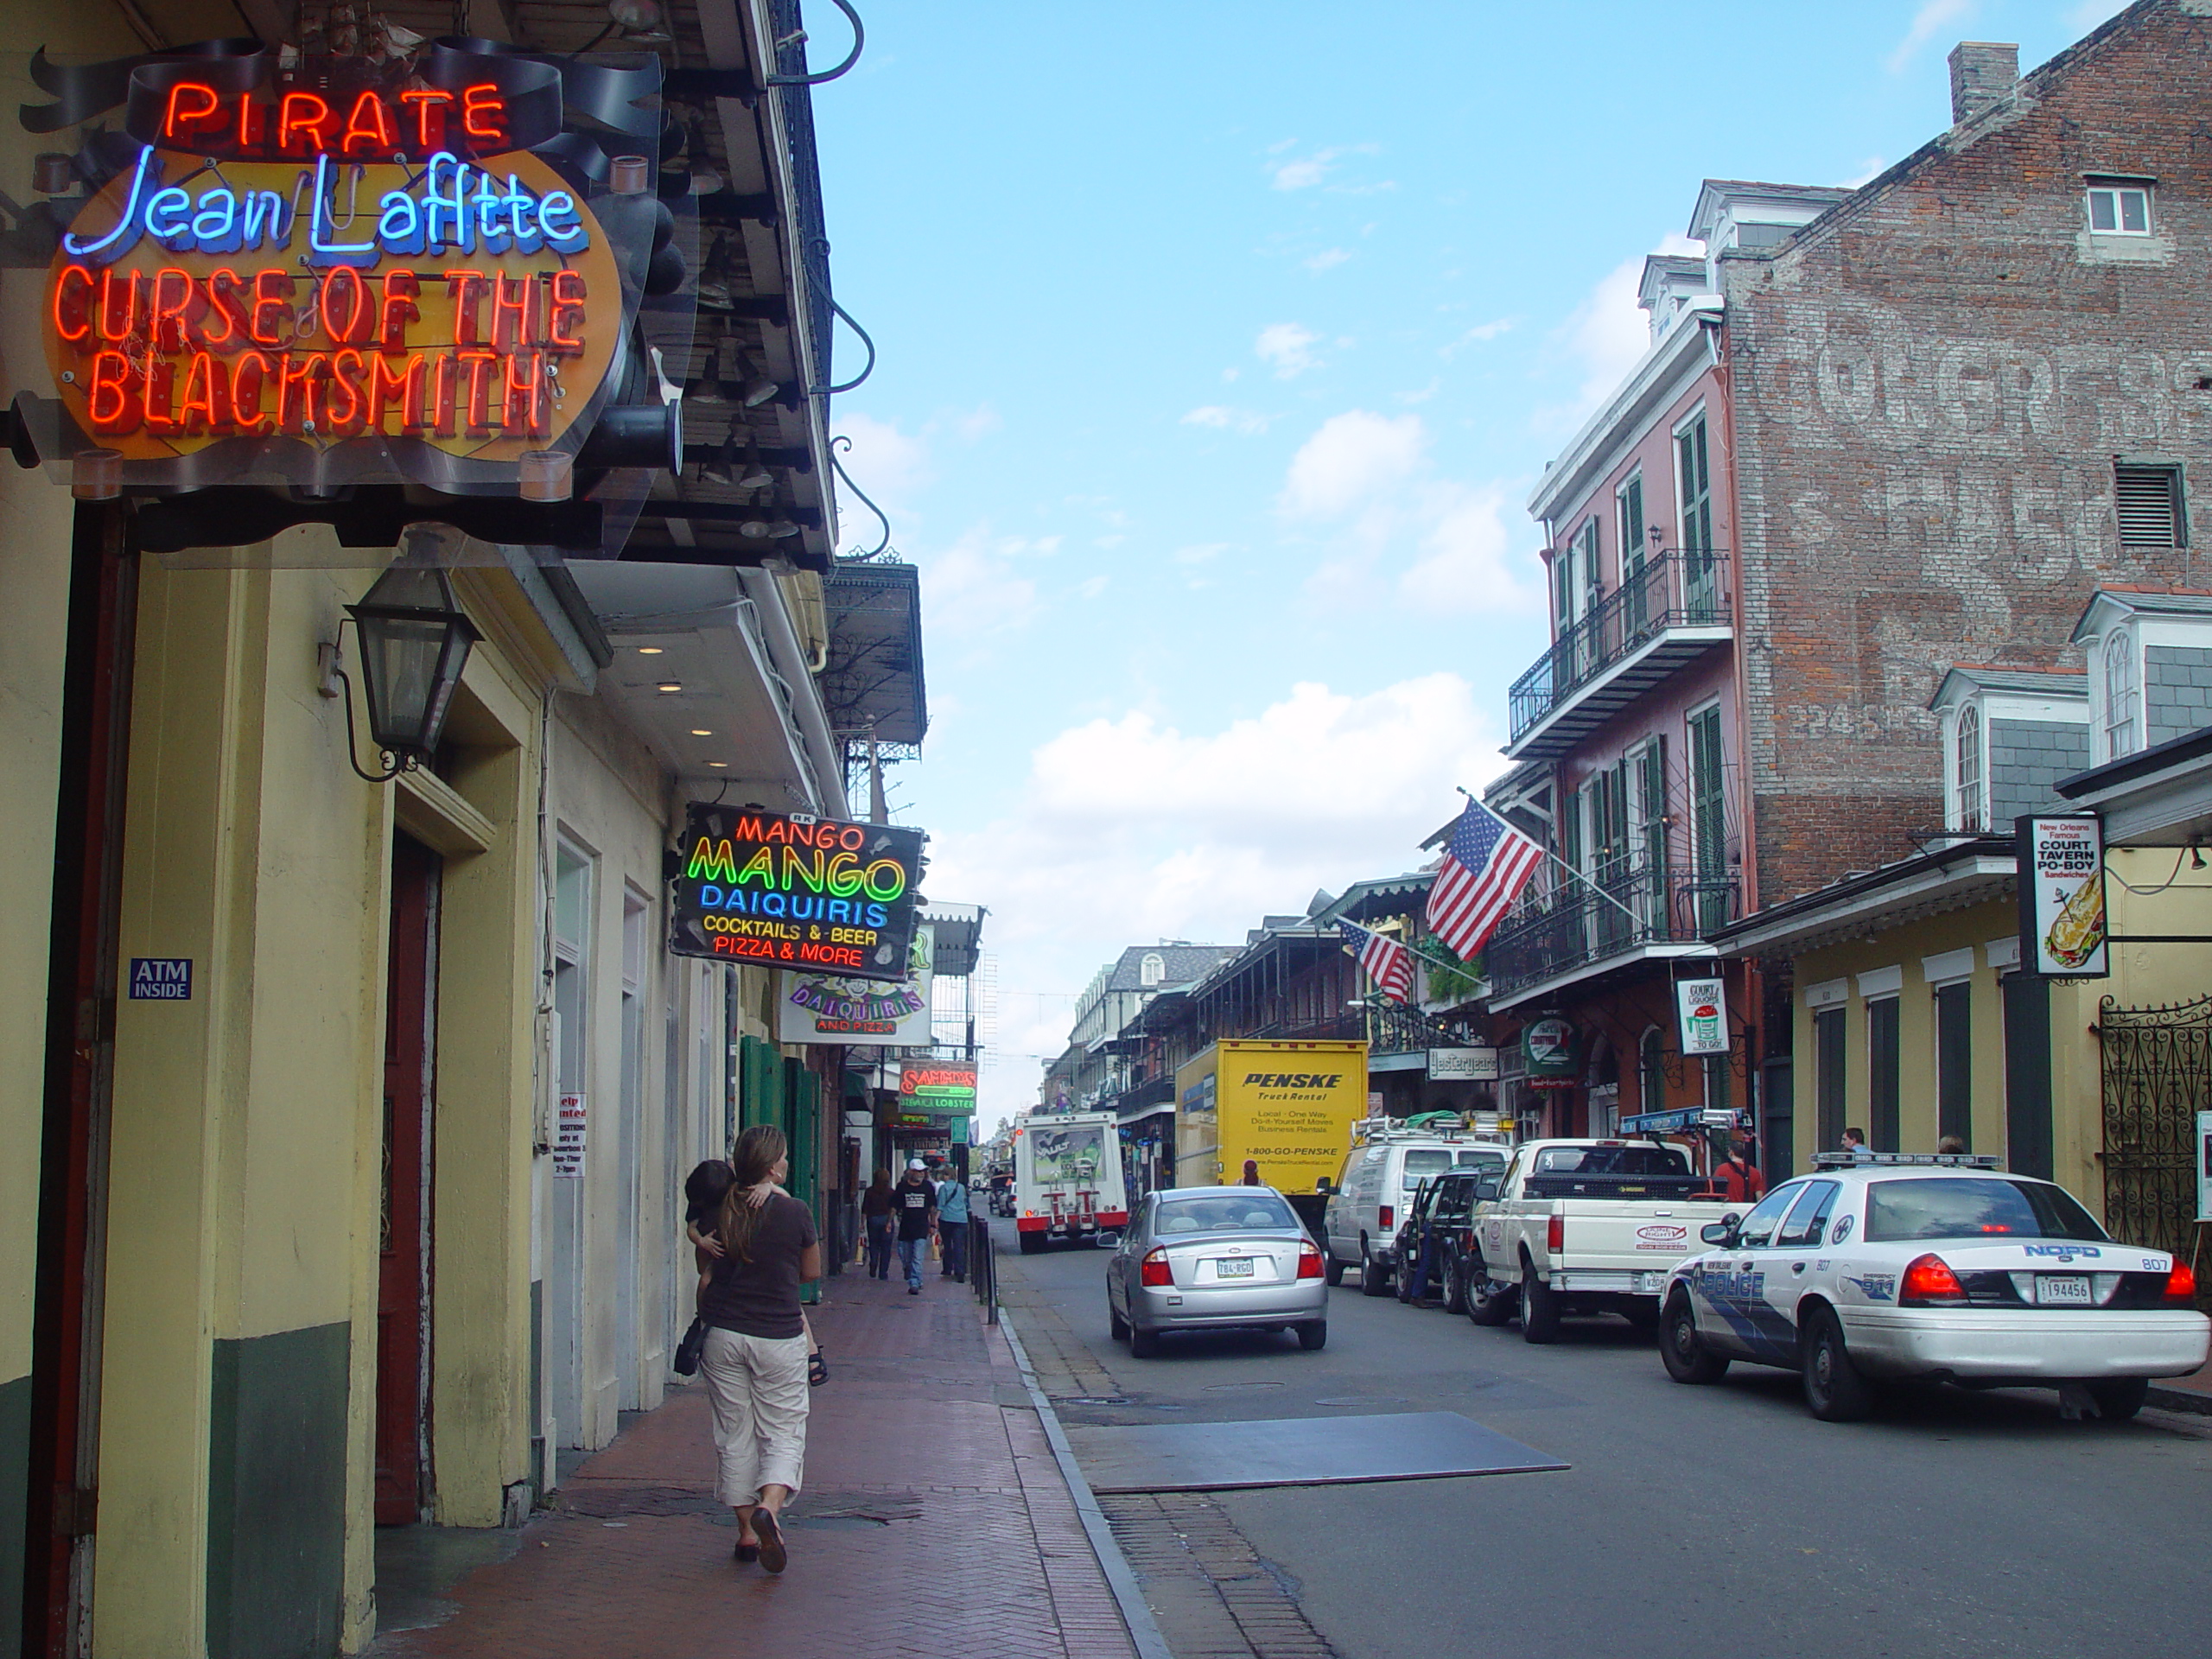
point(1967, 767)
point(1152, 970)
point(2120, 208)
point(2121, 719)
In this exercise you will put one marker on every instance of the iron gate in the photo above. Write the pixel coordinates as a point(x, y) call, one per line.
point(2157, 1077)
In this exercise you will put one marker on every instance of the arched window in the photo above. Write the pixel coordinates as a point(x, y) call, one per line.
point(1969, 802)
point(2122, 723)
point(1152, 970)
point(1650, 1074)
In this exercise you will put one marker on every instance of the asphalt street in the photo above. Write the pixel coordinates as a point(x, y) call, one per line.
point(1692, 1521)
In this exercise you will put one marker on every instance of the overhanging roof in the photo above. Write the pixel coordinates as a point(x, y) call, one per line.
point(958, 930)
point(1970, 871)
point(2161, 796)
point(692, 626)
point(873, 680)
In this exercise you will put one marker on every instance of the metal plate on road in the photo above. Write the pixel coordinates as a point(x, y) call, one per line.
point(1298, 1451)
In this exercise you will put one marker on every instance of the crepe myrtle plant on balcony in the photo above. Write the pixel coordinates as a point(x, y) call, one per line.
point(414, 643)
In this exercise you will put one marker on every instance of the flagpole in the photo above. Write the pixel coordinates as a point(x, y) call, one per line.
point(1610, 898)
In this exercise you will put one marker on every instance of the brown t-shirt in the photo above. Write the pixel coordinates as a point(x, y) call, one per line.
point(760, 1298)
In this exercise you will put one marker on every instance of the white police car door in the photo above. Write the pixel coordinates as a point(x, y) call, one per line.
point(1729, 1286)
point(1792, 1261)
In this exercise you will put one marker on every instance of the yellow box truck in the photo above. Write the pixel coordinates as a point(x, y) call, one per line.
point(1286, 1107)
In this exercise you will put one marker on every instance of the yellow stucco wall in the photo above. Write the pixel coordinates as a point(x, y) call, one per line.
point(2143, 975)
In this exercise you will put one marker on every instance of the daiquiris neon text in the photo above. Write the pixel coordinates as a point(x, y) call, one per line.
point(448, 207)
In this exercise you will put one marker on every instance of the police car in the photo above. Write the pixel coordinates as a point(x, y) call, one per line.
point(1941, 1267)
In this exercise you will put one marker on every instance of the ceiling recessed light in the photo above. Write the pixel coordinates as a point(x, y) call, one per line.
point(671, 686)
point(700, 731)
point(649, 650)
point(719, 765)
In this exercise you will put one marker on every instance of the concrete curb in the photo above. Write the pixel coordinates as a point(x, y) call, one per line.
point(1136, 1613)
point(2187, 1400)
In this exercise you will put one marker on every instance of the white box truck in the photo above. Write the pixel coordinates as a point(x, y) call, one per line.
point(1067, 1179)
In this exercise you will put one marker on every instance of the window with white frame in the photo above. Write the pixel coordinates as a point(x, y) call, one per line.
point(2122, 686)
point(1969, 793)
point(1151, 969)
point(2120, 208)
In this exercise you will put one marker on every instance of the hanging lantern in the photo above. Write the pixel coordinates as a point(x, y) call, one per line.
point(415, 642)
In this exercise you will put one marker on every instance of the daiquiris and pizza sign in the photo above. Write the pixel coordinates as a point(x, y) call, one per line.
point(789, 891)
point(342, 270)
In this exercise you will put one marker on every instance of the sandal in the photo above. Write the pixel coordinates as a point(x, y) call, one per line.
point(748, 1552)
point(772, 1539)
point(818, 1369)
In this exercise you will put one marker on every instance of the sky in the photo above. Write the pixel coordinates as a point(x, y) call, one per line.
point(1221, 343)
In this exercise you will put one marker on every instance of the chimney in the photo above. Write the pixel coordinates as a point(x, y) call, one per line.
point(1983, 73)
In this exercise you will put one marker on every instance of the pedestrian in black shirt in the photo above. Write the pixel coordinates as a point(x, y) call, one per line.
point(755, 1361)
point(914, 1201)
point(876, 1215)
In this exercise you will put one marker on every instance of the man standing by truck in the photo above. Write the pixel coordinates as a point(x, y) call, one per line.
point(914, 1202)
point(1740, 1180)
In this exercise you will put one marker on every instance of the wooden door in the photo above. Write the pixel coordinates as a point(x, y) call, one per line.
point(404, 1245)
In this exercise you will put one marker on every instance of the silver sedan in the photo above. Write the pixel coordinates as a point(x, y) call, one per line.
point(1208, 1258)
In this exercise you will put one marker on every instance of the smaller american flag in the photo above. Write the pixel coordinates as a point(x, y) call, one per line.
point(1486, 863)
point(1389, 964)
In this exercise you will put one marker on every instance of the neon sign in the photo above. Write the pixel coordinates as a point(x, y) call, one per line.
point(389, 264)
point(795, 892)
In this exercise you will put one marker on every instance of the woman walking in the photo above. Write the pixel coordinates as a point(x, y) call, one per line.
point(755, 1360)
point(876, 1215)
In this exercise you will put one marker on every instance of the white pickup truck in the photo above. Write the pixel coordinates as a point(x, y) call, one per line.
point(1578, 1226)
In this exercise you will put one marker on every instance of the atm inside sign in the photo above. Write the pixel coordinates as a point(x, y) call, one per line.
point(161, 979)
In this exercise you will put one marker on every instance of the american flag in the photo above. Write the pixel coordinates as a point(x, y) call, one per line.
point(1486, 863)
point(1389, 964)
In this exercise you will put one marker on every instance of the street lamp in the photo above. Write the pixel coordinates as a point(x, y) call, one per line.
point(415, 642)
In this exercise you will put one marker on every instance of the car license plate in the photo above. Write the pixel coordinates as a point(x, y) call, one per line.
point(1233, 1268)
point(1650, 1281)
point(2064, 1290)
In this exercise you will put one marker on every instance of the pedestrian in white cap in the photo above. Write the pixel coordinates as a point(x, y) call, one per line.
point(915, 1203)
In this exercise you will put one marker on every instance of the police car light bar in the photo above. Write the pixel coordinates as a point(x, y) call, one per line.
point(1963, 1159)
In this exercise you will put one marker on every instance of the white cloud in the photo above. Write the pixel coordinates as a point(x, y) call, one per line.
point(1869, 169)
point(1200, 552)
point(979, 423)
point(1129, 829)
point(1363, 484)
point(1933, 16)
point(975, 587)
point(1465, 562)
point(1480, 332)
point(1608, 332)
point(1303, 174)
point(1091, 586)
point(1327, 259)
point(1226, 418)
point(1351, 457)
point(1289, 347)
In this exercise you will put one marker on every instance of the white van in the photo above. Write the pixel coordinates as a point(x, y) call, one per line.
point(1367, 1203)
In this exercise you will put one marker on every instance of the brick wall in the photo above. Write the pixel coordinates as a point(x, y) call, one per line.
point(2177, 691)
point(1929, 386)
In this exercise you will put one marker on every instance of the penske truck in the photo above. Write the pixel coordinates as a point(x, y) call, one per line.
point(1284, 1108)
point(1067, 1179)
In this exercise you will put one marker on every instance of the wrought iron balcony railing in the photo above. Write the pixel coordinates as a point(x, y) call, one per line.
point(1686, 588)
point(1393, 1028)
point(1580, 925)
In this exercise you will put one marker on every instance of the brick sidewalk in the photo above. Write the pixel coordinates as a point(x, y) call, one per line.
point(934, 1519)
